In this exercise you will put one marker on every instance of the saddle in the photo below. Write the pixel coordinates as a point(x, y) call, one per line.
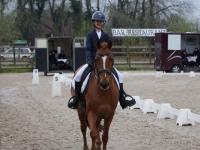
point(86, 76)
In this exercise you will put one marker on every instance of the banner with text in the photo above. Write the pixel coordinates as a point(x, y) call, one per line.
point(136, 32)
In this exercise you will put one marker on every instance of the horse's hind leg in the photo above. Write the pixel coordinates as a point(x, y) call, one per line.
point(107, 123)
point(83, 126)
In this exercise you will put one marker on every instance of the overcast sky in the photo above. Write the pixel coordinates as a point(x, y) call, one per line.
point(196, 4)
point(197, 8)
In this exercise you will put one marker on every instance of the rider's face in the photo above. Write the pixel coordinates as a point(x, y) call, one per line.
point(98, 24)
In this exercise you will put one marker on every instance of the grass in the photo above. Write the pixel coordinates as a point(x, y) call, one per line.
point(19, 67)
point(23, 68)
point(15, 70)
point(135, 68)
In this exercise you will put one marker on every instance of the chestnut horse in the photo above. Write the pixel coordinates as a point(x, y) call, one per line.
point(100, 99)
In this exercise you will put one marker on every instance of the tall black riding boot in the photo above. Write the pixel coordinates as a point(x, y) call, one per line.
point(74, 100)
point(122, 98)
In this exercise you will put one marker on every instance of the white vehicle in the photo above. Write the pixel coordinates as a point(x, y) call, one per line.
point(20, 53)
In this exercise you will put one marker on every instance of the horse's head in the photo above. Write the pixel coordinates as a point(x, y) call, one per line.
point(104, 64)
point(104, 46)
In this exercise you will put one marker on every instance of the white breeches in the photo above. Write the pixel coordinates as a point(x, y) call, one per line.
point(79, 73)
point(120, 75)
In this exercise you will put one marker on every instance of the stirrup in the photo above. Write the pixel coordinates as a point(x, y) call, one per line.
point(129, 96)
point(131, 101)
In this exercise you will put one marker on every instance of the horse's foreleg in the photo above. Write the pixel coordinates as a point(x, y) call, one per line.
point(83, 126)
point(93, 129)
point(107, 123)
point(98, 140)
point(84, 130)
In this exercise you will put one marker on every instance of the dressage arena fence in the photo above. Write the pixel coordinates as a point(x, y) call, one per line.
point(126, 58)
point(20, 61)
point(184, 116)
point(134, 57)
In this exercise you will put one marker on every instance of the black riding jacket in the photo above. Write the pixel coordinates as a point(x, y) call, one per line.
point(91, 42)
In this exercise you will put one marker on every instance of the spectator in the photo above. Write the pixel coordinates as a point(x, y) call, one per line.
point(197, 53)
point(52, 60)
point(184, 59)
point(62, 55)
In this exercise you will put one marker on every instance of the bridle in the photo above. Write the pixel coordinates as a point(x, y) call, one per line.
point(103, 71)
point(106, 71)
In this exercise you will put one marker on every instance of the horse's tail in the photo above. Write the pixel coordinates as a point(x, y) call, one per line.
point(100, 125)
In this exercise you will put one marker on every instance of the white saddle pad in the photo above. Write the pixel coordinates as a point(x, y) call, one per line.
point(86, 81)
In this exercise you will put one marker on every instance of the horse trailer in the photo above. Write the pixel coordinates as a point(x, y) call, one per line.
point(169, 48)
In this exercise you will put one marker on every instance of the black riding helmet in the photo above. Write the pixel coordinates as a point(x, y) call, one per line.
point(98, 16)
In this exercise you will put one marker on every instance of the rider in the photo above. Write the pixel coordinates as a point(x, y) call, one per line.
point(98, 20)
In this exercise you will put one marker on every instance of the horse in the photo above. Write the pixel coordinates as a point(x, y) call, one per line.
point(100, 100)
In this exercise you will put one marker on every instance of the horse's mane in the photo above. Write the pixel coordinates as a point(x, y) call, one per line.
point(104, 48)
point(100, 53)
point(104, 44)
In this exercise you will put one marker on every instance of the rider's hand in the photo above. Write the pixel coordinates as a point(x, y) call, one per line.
point(91, 64)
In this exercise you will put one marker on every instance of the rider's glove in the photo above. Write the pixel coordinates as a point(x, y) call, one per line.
point(91, 64)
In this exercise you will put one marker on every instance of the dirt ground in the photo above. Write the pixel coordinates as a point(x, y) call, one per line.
point(31, 119)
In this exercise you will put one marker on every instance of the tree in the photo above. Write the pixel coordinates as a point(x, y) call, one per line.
point(88, 12)
point(68, 17)
point(40, 8)
point(8, 30)
point(76, 15)
point(3, 5)
point(179, 24)
point(58, 15)
point(144, 13)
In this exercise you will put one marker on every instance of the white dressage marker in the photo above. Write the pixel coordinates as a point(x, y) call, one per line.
point(192, 74)
point(159, 74)
point(149, 106)
point(56, 85)
point(183, 117)
point(174, 111)
point(62, 77)
point(67, 81)
point(35, 78)
point(194, 117)
point(164, 111)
